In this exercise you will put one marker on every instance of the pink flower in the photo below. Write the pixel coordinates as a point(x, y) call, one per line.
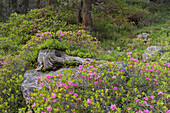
point(75, 105)
point(131, 59)
point(96, 82)
point(37, 34)
point(70, 83)
point(95, 69)
point(42, 85)
point(47, 99)
point(70, 92)
point(33, 105)
point(147, 78)
point(75, 94)
point(113, 107)
point(75, 84)
point(54, 100)
point(115, 88)
point(146, 111)
point(135, 60)
point(62, 34)
point(157, 83)
point(88, 101)
point(122, 70)
point(39, 31)
point(155, 80)
point(141, 71)
point(48, 77)
point(100, 80)
point(81, 66)
point(103, 101)
point(41, 94)
point(59, 75)
point(160, 92)
point(140, 111)
point(91, 66)
point(152, 97)
point(38, 78)
point(30, 112)
point(146, 98)
point(49, 108)
point(114, 77)
point(83, 77)
point(167, 111)
point(84, 70)
point(54, 96)
point(150, 70)
point(144, 102)
point(151, 107)
point(128, 53)
point(66, 86)
point(136, 100)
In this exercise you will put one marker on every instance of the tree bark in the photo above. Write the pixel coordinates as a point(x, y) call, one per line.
point(14, 4)
point(38, 3)
point(49, 2)
point(87, 9)
point(25, 5)
point(79, 10)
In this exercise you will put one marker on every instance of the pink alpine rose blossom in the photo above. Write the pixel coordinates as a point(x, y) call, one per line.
point(113, 107)
point(114, 77)
point(128, 53)
point(160, 93)
point(152, 97)
point(49, 108)
point(88, 101)
point(146, 111)
point(146, 98)
point(115, 88)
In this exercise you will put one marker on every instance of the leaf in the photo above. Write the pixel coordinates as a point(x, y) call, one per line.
point(129, 83)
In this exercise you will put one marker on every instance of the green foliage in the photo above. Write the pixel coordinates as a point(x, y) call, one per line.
point(23, 36)
point(105, 88)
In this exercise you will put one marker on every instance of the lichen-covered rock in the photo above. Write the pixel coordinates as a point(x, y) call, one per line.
point(143, 35)
point(30, 77)
point(150, 53)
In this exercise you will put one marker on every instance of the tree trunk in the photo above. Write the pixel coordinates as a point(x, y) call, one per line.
point(38, 3)
point(49, 2)
point(87, 9)
point(79, 10)
point(25, 6)
point(14, 4)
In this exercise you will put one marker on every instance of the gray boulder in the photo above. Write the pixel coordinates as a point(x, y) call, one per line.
point(143, 35)
point(30, 77)
point(150, 53)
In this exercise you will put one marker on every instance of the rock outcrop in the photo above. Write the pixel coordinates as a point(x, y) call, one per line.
point(150, 53)
point(49, 59)
point(143, 35)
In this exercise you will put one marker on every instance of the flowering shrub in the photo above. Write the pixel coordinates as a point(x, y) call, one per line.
point(98, 87)
point(94, 88)
point(21, 27)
